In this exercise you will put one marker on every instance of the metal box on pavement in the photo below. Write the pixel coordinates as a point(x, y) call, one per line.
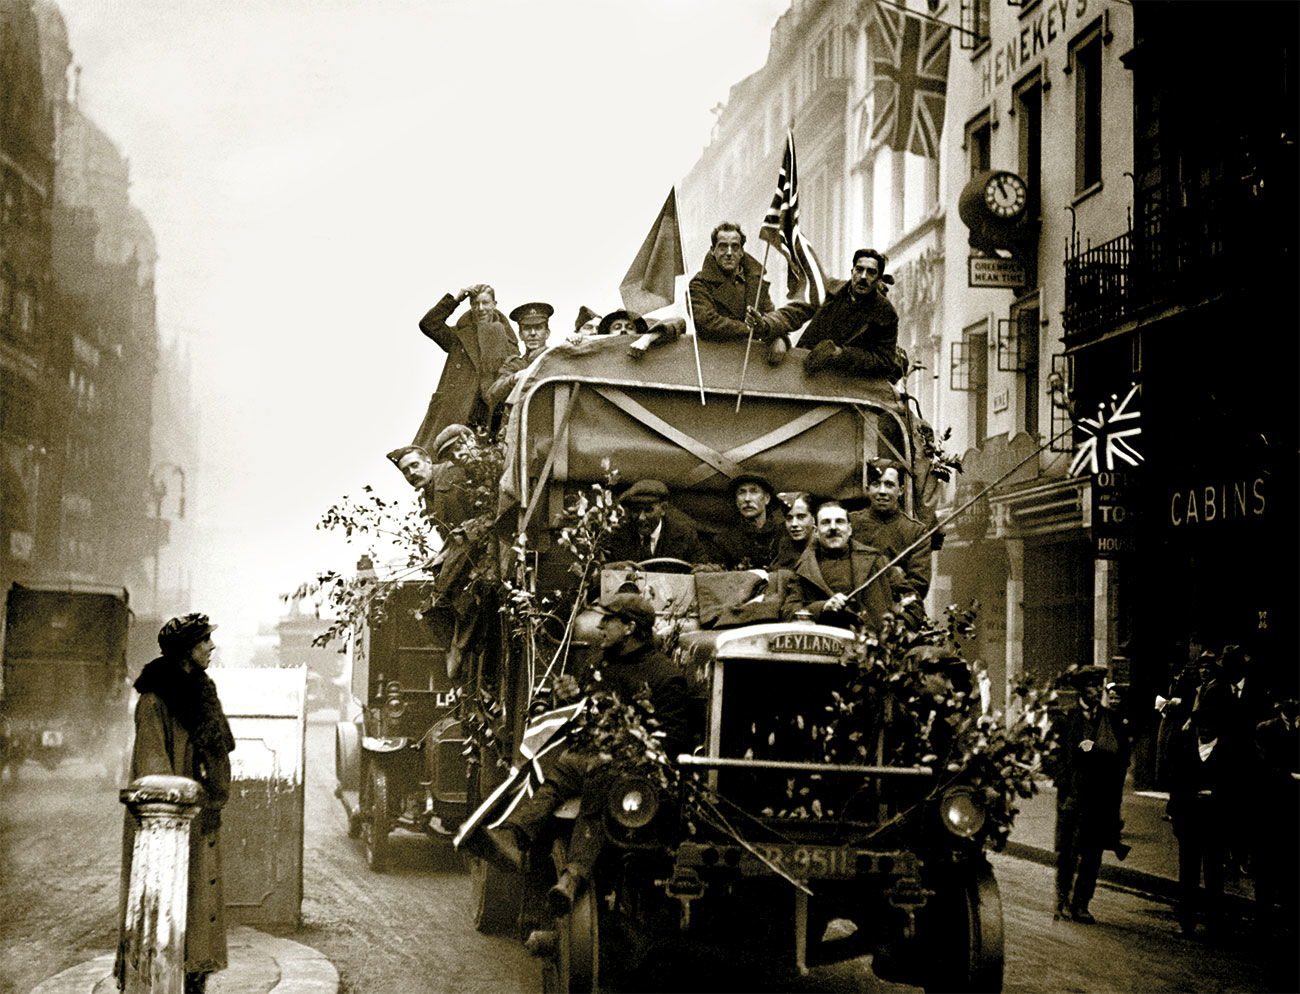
point(262, 824)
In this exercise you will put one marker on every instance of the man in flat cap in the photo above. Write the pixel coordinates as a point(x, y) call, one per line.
point(729, 297)
point(855, 331)
point(751, 541)
point(832, 568)
point(587, 322)
point(653, 529)
point(630, 664)
point(1089, 769)
point(534, 329)
point(476, 347)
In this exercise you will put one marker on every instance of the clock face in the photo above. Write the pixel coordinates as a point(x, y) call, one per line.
point(1005, 194)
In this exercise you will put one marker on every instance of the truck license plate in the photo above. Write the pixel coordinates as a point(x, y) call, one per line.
point(805, 862)
point(51, 739)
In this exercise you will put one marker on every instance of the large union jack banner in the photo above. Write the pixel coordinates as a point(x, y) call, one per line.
point(909, 80)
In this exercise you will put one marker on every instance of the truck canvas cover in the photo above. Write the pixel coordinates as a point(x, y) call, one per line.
point(574, 413)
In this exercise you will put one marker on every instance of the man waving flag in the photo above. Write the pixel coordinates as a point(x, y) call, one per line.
point(781, 230)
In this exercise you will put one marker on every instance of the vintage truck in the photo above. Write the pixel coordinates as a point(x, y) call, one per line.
point(65, 692)
point(893, 866)
point(398, 753)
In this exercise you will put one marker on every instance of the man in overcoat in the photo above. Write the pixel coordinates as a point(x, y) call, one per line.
point(831, 568)
point(729, 286)
point(751, 541)
point(1089, 773)
point(855, 331)
point(884, 525)
point(534, 328)
point(480, 342)
point(653, 529)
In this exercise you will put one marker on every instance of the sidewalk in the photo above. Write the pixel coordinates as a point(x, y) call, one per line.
point(259, 964)
point(1152, 864)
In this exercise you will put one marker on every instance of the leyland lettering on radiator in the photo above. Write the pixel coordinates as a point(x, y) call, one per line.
point(822, 645)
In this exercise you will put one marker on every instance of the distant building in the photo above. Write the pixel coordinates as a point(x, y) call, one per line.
point(78, 337)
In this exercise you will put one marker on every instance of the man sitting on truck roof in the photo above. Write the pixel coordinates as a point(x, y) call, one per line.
point(729, 297)
point(855, 331)
point(831, 570)
point(653, 529)
point(751, 542)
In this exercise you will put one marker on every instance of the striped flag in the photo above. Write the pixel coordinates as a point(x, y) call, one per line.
point(781, 230)
point(542, 734)
point(909, 58)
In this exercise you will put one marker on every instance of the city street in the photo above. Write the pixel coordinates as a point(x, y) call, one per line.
point(408, 930)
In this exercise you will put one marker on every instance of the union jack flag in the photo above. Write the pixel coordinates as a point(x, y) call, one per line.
point(909, 80)
point(781, 230)
point(1106, 443)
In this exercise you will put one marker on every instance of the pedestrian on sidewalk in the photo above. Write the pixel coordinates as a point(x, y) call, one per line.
point(181, 730)
point(1089, 771)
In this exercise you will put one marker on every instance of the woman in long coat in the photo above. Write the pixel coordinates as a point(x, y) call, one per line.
point(181, 730)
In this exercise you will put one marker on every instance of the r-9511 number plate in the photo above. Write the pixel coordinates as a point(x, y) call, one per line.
point(803, 861)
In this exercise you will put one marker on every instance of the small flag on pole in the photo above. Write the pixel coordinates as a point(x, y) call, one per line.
point(650, 283)
point(781, 230)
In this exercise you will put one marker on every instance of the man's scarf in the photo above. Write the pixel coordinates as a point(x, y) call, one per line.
point(190, 696)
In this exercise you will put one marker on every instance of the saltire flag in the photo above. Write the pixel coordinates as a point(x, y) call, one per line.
point(780, 229)
point(650, 283)
point(543, 733)
point(909, 80)
point(1107, 437)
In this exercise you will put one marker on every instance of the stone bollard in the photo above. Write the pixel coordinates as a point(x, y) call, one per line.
point(153, 926)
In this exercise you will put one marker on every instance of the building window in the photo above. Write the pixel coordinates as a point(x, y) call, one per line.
point(1024, 325)
point(974, 23)
point(979, 144)
point(24, 315)
point(1061, 390)
point(6, 297)
point(1086, 60)
point(1029, 117)
point(969, 373)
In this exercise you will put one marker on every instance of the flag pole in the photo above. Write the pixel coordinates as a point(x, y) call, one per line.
point(749, 339)
point(695, 343)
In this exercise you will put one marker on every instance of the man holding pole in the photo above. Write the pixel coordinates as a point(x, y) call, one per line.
point(855, 332)
point(729, 297)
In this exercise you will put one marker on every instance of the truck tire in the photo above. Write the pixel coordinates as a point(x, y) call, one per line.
point(376, 818)
point(967, 943)
point(576, 966)
point(347, 756)
point(496, 898)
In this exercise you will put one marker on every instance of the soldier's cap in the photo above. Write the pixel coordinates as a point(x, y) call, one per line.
point(585, 314)
point(629, 607)
point(638, 322)
point(761, 481)
point(876, 468)
point(645, 492)
point(449, 435)
point(397, 455)
point(535, 311)
point(181, 634)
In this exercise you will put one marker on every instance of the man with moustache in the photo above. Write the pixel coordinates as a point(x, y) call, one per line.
point(729, 297)
point(831, 569)
point(476, 347)
point(750, 543)
point(855, 331)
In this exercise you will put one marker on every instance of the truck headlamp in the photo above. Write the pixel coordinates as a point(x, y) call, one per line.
point(633, 802)
point(962, 814)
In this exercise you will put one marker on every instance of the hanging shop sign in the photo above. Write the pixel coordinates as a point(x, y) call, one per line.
point(1114, 513)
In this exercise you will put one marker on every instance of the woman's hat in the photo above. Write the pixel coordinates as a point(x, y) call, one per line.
point(181, 634)
point(637, 320)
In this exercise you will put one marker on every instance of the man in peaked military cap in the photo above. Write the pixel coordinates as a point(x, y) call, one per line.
point(534, 328)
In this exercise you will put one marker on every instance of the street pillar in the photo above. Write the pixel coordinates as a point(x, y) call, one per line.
point(1104, 575)
point(153, 925)
point(1015, 620)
